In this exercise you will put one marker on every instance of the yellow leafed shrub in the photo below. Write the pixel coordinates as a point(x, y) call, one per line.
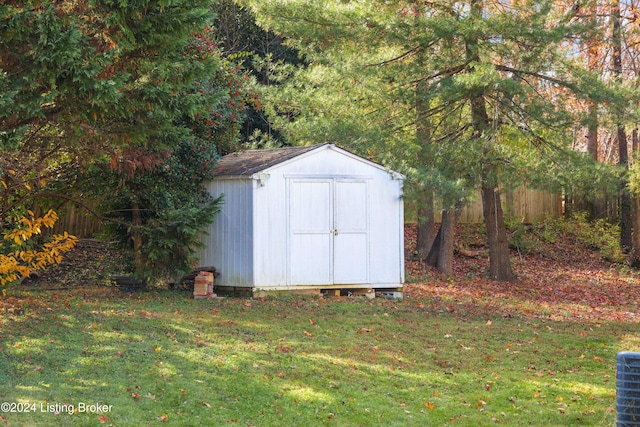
point(19, 255)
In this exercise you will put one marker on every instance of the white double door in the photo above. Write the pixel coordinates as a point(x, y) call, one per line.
point(328, 231)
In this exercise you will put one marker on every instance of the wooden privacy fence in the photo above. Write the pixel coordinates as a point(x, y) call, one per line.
point(522, 204)
point(75, 221)
point(604, 207)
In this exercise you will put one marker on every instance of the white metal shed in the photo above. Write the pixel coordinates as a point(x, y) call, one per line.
point(300, 218)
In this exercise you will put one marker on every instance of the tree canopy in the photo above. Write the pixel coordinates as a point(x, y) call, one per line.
point(132, 101)
point(81, 79)
point(124, 100)
point(457, 95)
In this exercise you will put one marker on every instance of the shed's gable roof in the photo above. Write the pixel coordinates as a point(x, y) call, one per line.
point(252, 161)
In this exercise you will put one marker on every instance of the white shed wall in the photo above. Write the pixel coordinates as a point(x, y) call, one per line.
point(387, 232)
point(249, 242)
point(230, 240)
point(271, 251)
point(270, 238)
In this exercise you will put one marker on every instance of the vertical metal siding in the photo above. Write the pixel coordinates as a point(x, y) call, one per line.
point(230, 239)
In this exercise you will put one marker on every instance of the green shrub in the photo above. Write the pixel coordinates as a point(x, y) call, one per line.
point(519, 236)
point(598, 235)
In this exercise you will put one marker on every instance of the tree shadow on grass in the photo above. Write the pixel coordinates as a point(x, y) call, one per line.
point(160, 357)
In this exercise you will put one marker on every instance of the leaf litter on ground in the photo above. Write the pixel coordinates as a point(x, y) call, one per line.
point(560, 280)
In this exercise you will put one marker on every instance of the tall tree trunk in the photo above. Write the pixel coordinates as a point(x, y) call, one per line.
point(441, 254)
point(426, 223)
point(434, 252)
point(592, 149)
point(499, 255)
point(499, 261)
point(626, 226)
point(625, 197)
point(635, 246)
point(635, 211)
point(592, 131)
point(447, 233)
point(136, 238)
point(593, 57)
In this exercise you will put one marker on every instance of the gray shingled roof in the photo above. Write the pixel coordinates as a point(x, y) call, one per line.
point(252, 161)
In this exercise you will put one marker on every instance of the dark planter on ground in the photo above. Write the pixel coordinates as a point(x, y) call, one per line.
point(129, 283)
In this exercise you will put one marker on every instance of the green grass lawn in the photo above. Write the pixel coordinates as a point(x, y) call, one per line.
point(158, 357)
